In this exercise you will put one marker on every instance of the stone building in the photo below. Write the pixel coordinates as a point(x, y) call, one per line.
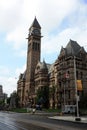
point(59, 76)
point(72, 57)
point(41, 75)
point(21, 88)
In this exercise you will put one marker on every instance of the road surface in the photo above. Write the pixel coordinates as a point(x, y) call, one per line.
point(17, 121)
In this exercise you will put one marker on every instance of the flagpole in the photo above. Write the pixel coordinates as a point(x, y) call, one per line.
point(76, 92)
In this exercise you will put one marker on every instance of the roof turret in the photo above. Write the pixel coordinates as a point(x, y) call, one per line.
point(43, 66)
point(72, 48)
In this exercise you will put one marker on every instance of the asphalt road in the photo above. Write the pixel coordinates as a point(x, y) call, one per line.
point(17, 121)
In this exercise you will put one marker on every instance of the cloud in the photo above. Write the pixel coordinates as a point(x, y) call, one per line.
point(20, 70)
point(17, 37)
point(55, 11)
point(18, 16)
point(4, 71)
point(10, 13)
point(50, 14)
point(52, 45)
point(9, 82)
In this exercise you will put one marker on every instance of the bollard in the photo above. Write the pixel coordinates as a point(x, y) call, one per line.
point(33, 111)
point(60, 114)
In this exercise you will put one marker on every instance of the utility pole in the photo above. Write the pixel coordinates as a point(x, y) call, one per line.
point(64, 96)
point(76, 92)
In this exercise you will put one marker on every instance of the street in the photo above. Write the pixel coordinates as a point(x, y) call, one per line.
point(18, 121)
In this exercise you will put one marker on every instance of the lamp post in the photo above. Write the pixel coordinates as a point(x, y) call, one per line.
point(76, 93)
point(66, 76)
point(64, 96)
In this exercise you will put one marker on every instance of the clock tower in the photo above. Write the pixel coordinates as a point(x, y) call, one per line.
point(33, 56)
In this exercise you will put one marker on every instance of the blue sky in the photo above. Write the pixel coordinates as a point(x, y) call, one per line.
point(60, 21)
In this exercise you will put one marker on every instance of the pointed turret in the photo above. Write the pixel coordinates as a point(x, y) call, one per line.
point(35, 24)
point(43, 66)
point(72, 48)
point(35, 28)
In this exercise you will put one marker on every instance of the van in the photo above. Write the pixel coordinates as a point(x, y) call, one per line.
point(69, 109)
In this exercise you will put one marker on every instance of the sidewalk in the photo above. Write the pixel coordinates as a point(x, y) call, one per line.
point(57, 116)
point(69, 118)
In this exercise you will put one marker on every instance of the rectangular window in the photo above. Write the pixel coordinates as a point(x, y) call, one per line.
point(38, 46)
point(77, 74)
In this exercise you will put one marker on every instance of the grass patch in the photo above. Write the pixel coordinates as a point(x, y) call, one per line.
point(53, 110)
point(24, 110)
point(19, 110)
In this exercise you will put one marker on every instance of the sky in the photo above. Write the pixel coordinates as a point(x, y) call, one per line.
point(61, 20)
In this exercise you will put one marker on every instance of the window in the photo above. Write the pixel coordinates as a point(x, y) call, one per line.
point(77, 74)
point(36, 46)
point(81, 75)
point(60, 84)
point(69, 94)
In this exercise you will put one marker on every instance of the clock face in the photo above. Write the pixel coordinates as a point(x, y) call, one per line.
point(36, 31)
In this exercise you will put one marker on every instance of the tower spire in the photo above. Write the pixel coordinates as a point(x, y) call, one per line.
point(35, 23)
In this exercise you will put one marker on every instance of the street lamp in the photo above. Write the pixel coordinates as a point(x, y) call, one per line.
point(76, 93)
point(64, 96)
point(66, 76)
